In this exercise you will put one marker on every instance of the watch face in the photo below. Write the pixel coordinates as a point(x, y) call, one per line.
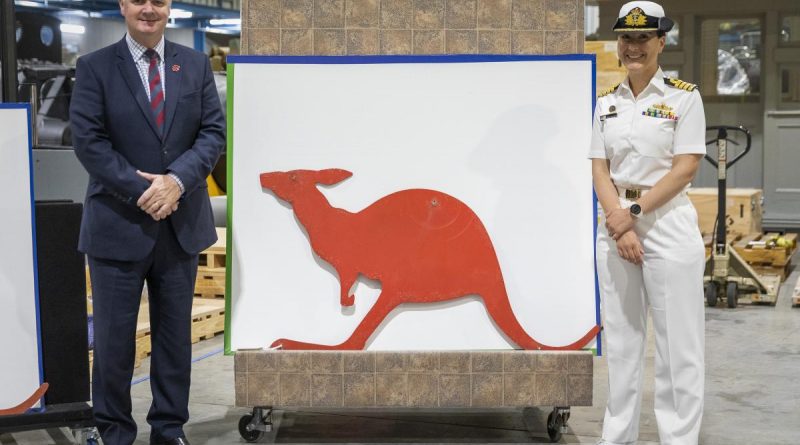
point(636, 209)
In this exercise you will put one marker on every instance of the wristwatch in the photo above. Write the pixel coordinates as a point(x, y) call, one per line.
point(636, 210)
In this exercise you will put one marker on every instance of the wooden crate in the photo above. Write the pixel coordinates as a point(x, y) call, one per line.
point(759, 249)
point(210, 283)
point(214, 256)
point(208, 320)
point(609, 69)
point(743, 207)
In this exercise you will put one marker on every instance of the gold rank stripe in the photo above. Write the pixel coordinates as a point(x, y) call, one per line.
point(677, 83)
point(608, 91)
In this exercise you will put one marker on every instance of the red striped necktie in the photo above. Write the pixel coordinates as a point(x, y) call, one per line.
point(156, 92)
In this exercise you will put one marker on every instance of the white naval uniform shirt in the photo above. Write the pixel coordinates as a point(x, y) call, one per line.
point(640, 135)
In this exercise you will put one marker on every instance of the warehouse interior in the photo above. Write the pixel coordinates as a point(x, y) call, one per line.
point(745, 57)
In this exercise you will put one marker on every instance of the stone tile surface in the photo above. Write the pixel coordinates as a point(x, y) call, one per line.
point(295, 389)
point(391, 389)
point(562, 15)
point(579, 390)
point(329, 42)
point(494, 14)
point(363, 41)
point(428, 42)
point(487, 362)
point(461, 41)
point(454, 390)
point(327, 390)
point(551, 389)
point(519, 389)
point(265, 42)
point(428, 14)
point(528, 14)
point(359, 390)
point(262, 388)
point(396, 42)
point(487, 389)
point(329, 13)
point(326, 362)
point(297, 42)
point(527, 42)
point(423, 390)
point(297, 13)
point(452, 362)
point(263, 14)
point(461, 14)
point(397, 14)
point(391, 361)
point(362, 13)
point(560, 42)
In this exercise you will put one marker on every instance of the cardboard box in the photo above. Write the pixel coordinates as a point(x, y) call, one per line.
point(743, 215)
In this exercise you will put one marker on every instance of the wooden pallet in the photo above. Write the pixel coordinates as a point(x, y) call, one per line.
point(210, 283)
point(214, 256)
point(757, 249)
point(781, 271)
point(208, 320)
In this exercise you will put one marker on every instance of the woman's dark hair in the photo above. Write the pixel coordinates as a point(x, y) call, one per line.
point(661, 33)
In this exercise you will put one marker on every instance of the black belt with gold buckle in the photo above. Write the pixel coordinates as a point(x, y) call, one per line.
point(633, 193)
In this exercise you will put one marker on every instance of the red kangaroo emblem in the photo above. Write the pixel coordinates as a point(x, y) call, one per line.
point(27, 403)
point(422, 245)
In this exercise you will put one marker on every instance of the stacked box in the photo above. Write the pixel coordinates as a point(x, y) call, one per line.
point(743, 209)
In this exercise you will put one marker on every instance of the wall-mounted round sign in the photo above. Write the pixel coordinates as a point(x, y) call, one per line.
point(46, 35)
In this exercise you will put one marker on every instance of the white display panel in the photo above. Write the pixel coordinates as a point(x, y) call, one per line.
point(507, 137)
point(20, 372)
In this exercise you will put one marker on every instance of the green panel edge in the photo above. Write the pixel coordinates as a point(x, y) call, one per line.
point(228, 219)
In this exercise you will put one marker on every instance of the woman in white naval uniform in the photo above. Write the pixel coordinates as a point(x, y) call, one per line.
point(647, 142)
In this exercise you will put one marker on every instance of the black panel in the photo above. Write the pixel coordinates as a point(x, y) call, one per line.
point(62, 302)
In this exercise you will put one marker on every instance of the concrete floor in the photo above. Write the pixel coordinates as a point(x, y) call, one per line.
point(752, 397)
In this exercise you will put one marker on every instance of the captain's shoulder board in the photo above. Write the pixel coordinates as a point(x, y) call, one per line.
point(608, 91)
point(677, 83)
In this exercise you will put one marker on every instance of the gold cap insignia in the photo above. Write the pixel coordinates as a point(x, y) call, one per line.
point(636, 18)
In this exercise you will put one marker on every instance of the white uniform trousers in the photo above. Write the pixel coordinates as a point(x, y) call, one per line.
point(670, 283)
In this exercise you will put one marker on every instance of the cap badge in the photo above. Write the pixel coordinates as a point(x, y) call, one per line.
point(636, 17)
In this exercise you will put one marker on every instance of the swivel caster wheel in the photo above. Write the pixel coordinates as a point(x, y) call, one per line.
point(246, 430)
point(253, 426)
point(557, 423)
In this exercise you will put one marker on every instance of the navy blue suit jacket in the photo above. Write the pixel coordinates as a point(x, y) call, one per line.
point(114, 134)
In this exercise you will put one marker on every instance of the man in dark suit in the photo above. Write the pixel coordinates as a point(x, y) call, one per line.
point(148, 127)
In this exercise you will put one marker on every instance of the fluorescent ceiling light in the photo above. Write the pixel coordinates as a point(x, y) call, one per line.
point(180, 14)
point(69, 28)
point(224, 22)
point(29, 4)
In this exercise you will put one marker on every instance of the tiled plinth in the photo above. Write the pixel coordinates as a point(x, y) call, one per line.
point(359, 379)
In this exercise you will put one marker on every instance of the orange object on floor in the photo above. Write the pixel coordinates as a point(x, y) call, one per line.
point(423, 246)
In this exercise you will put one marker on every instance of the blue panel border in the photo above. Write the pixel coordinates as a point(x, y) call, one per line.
point(27, 108)
point(368, 60)
point(459, 58)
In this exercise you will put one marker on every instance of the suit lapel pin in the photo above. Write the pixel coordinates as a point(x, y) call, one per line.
point(176, 68)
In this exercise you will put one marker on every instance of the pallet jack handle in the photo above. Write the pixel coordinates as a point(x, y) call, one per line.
point(722, 135)
point(722, 164)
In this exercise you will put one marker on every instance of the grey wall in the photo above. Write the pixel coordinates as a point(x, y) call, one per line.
point(103, 32)
point(750, 171)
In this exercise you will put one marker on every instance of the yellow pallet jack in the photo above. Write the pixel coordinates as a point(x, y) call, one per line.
point(727, 274)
